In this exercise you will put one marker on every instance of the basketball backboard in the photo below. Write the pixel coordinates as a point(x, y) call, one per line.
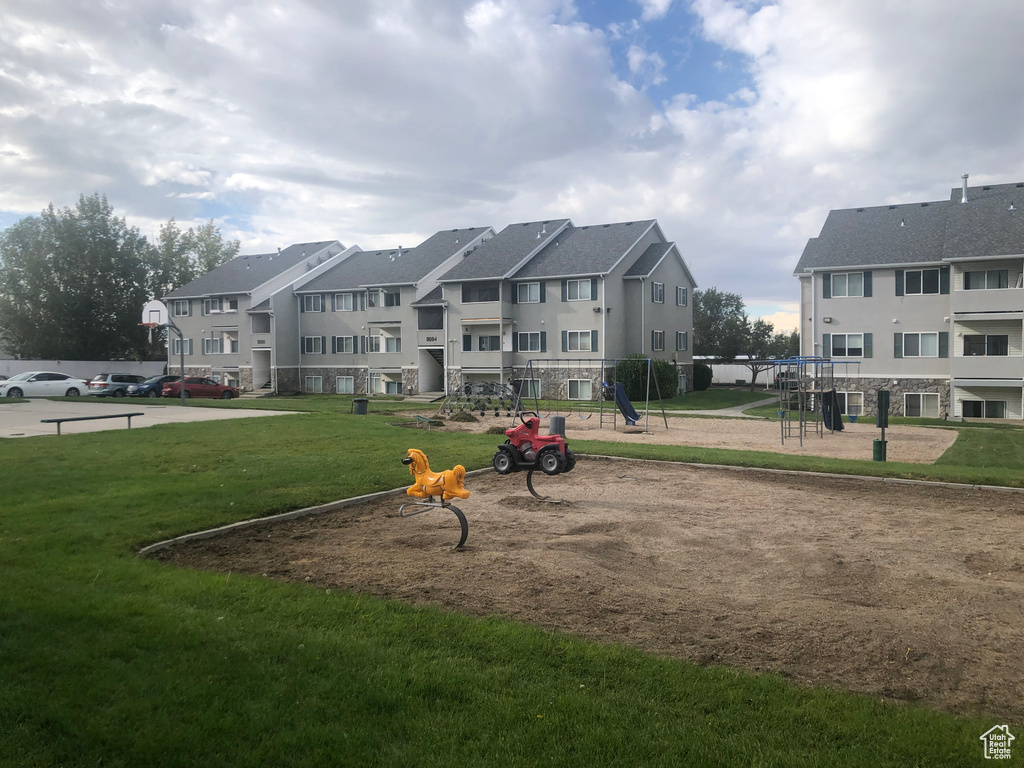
point(155, 311)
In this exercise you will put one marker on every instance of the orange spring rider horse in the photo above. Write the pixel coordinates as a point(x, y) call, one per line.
point(447, 484)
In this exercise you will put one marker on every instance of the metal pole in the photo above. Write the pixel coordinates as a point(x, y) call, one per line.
point(181, 350)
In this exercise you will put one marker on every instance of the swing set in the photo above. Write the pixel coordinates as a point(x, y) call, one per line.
point(575, 383)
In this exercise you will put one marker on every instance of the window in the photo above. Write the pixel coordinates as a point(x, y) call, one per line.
point(345, 385)
point(984, 409)
point(213, 346)
point(489, 343)
point(847, 345)
point(343, 302)
point(371, 299)
point(312, 303)
point(658, 293)
point(392, 387)
point(921, 281)
point(474, 293)
point(682, 341)
point(847, 284)
point(579, 389)
point(315, 384)
point(920, 344)
point(375, 383)
point(529, 342)
point(392, 343)
point(181, 308)
point(261, 323)
point(680, 296)
point(921, 405)
point(989, 279)
point(344, 345)
point(980, 345)
point(176, 346)
point(579, 290)
point(851, 403)
point(313, 345)
point(657, 341)
point(392, 299)
point(527, 387)
point(528, 293)
point(579, 341)
point(373, 344)
point(430, 318)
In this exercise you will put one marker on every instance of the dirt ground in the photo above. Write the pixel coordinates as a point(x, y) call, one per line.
point(901, 591)
point(918, 445)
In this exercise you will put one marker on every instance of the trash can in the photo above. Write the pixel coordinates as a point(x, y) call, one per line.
point(359, 406)
point(556, 426)
point(879, 450)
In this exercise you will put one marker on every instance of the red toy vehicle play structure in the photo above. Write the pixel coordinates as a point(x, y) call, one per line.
point(525, 450)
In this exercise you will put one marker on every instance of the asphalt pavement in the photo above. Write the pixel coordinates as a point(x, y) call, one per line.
point(24, 419)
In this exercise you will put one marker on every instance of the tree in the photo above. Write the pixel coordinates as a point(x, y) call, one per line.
point(181, 257)
point(764, 346)
point(719, 324)
point(72, 284)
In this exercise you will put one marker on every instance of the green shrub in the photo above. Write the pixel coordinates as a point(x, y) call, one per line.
point(701, 376)
point(632, 373)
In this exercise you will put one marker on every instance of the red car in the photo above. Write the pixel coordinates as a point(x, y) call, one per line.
point(198, 387)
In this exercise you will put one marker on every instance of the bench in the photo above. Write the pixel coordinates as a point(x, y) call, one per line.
point(60, 421)
point(429, 422)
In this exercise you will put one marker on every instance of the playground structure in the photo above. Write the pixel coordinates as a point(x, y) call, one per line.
point(553, 379)
point(481, 397)
point(428, 484)
point(807, 396)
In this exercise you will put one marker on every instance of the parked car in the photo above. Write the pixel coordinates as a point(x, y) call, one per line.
point(113, 384)
point(151, 387)
point(42, 384)
point(199, 387)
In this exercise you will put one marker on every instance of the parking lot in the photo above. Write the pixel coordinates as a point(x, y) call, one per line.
point(24, 419)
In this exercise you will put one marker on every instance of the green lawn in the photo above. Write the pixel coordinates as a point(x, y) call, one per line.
point(106, 659)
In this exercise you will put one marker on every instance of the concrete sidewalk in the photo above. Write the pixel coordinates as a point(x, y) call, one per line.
point(23, 419)
point(735, 412)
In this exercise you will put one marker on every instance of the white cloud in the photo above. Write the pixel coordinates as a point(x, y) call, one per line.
point(307, 119)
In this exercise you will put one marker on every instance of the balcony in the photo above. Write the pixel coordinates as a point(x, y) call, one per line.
point(995, 300)
point(987, 367)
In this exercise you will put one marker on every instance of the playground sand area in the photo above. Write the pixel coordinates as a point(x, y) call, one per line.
point(917, 445)
point(906, 592)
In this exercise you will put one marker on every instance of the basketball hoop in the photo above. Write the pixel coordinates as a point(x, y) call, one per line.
point(150, 326)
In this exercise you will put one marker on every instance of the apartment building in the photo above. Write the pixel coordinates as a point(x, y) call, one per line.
point(465, 305)
point(229, 325)
point(923, 299)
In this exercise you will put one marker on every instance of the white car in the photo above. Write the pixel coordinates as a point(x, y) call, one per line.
point(43, 384)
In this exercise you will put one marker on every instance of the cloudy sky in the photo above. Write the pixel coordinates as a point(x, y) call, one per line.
point(737, 124)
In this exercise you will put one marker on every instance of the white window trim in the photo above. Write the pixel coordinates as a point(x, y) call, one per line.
point(906, 291)
point(579, 383)
point(318, 348)
point(919, 334)
point(176, 306)
point(312, 302)
point(352, 385)
point(528, 384)
point(528, 334)
point(578, 282)
point(846, 346)
point(527, 300)
point(681, 295)
point(684, 337)
point(176, 346)
point(658, 293)
point(318, 389)
point(847, 295)
point(657, 341)
point(922, 395)
point(579, 338)
point(339, 302)
point(846, 402)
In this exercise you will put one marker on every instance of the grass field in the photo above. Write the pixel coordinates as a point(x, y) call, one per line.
point(106, 659)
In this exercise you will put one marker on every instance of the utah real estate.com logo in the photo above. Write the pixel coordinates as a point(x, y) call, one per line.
point(997, 742)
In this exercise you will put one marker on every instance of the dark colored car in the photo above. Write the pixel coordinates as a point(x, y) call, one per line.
point(151, 387)
point(199, 387)
point(113, 384)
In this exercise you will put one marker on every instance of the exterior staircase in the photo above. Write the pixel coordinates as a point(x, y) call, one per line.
point(425, 397)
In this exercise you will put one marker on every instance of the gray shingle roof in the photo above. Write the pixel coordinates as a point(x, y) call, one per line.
point(590, 250)
point(505, 252)
point(433, 298)
point(391, 267)
point(649, 259)
point(921, 232)
point(244, 273)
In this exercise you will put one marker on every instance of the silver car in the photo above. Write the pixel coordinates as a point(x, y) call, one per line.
point(113, 384)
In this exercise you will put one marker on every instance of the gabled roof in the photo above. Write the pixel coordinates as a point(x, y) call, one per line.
point(393, 266)
point(590, 250)
point(915, 233)
point(433, 299)
point(649, 259)
point(506, 252)
point(985, 225)
point(244, 273)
